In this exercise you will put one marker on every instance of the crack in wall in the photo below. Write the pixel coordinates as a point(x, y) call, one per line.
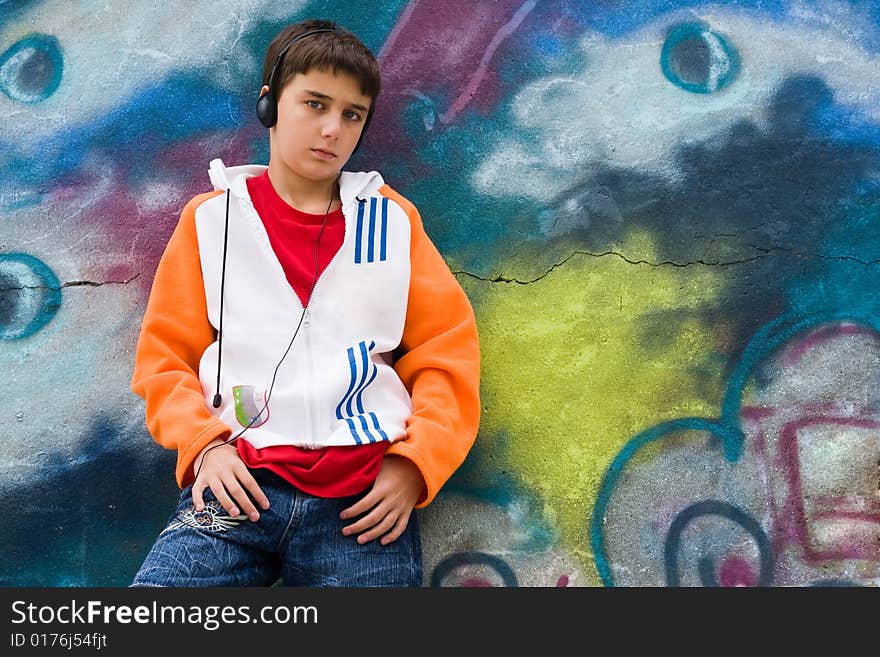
point(821, 256)
point(500, 278)
point(68, 284)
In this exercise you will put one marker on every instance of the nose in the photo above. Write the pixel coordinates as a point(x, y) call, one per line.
point(331, 126)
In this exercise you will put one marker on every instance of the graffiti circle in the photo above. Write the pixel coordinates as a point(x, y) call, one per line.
point(30, 295)
point(454, 562)
point(30, 69)
point(697, 59)
point(706, 565)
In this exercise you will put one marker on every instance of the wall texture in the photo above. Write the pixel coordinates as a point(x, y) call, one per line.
point(666, 216)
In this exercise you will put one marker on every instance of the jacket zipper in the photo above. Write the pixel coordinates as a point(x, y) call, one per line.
point(310, 370)
point(311, 411)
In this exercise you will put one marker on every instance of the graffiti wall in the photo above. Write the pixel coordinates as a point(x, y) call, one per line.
point(666, 216)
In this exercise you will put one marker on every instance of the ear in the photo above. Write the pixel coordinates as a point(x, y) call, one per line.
point(264, 89)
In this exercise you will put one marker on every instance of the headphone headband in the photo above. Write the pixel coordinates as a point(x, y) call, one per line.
point(284, 50)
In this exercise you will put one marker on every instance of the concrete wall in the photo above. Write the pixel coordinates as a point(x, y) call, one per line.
point(665, 216)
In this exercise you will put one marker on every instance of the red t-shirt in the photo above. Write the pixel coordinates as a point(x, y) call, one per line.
point(329, 471)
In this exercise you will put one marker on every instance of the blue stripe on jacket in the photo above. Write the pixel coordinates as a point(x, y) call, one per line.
point(355, 393)
point(383, 247)
point(371, 241)
point(357, 233)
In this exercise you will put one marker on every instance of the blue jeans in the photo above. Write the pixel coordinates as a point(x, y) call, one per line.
point(297, 539)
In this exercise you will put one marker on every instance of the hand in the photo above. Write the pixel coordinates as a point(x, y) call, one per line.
point(398, 487)
point(225, 473)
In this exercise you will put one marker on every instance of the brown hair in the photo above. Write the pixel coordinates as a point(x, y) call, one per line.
point(338, 51)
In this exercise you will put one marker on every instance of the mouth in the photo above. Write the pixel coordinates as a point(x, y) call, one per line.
point(324, 155)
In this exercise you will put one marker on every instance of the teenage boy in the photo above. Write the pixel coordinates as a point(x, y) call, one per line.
point(305, 349)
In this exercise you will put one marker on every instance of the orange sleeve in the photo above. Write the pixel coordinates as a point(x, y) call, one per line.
point(440, 365)
point(174, 334)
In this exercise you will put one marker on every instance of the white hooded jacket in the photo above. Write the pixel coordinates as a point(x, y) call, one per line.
point(336, 384)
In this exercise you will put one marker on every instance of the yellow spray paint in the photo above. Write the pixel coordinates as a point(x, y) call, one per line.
point(576, 363)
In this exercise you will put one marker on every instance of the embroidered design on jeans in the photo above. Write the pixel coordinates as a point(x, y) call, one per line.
point(211, 519)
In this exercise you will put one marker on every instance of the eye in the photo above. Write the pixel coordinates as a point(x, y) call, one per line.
point(698, 59)
point(30, 295)
point(351, 114)
point(30, 70)
point(315, 104)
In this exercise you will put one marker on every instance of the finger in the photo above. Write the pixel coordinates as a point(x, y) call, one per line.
point(396, 531)
point(253, 488)
point(364, 504)
point(224, 499)
point(377, 531)
point(370, 520)
point(239, 495)
point(198, 502)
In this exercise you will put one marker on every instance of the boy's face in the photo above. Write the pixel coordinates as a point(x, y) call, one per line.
point(321, 116)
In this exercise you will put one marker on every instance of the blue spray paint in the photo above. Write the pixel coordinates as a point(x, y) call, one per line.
point(697, 59)
point(454, 561)
point(31, 68)
point(30, 295)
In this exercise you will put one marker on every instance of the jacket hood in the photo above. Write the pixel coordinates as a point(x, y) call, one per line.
point(351, 184)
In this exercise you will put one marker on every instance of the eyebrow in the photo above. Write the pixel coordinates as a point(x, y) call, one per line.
point(318, 94)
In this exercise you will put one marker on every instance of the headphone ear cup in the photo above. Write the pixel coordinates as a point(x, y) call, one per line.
point(267, 111)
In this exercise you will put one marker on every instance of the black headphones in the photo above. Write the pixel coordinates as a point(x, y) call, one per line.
point(267, 104)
